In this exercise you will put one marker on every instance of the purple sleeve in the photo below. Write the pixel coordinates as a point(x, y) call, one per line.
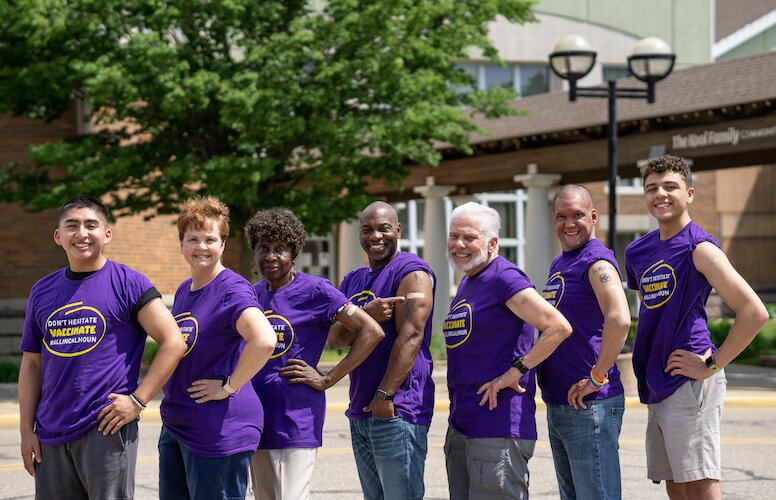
point(512, 280)
point(32, 337)
point(702, 238)
point(331, 297)
point(238, 297)
point(134, 287)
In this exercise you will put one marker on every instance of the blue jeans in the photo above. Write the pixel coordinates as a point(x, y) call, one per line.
point(390, 457)
point(585, 448)
point(186, 476)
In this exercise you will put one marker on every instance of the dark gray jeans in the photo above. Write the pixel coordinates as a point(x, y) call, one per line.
point(91, 467)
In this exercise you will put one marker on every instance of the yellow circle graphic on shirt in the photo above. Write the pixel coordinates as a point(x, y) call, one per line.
point(657, 285)
point(553, 290)
point(73, 330)
point(189, 327)
point(457, 324)
point(283, 330)
point(362, 298)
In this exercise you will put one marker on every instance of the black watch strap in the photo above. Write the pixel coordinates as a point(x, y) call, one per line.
point(711, 363)
point(518, 363)
point(381, 394)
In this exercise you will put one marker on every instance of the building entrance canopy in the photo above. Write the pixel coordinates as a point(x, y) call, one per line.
point(719, 115)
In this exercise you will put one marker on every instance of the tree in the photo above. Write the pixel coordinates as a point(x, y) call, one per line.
point(290, 102)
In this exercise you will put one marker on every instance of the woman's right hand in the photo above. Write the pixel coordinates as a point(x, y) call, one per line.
point(207, 389)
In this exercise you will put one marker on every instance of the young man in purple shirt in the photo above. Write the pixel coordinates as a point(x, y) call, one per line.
point(391, 392)
point(679, 371)
point(579, 381)
point(84, 334)
point(490, 354)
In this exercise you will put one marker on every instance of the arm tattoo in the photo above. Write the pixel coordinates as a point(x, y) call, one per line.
point(410, 308)
point(604, 277)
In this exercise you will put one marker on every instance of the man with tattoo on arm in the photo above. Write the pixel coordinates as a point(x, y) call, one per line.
point(579, 381)
point(391, 392)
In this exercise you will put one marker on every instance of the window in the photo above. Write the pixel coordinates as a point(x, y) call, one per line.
point(624, 238)
point(499, 76)
point(526, 79)
point(533, 79)
point(615, 73)
point(471, 70)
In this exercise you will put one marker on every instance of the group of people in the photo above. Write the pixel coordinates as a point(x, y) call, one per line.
point(86, 327)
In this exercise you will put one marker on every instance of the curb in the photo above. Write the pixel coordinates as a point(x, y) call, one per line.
point(443, 405)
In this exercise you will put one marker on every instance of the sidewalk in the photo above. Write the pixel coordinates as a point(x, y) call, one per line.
point(748, 387)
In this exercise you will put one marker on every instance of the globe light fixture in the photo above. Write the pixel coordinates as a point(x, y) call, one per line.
point(573, 57)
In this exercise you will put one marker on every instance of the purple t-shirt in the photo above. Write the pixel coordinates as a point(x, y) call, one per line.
point(483, 336)
point(301, 314)
point(207, 319)
point(414, 401)
point(569, 290)
point(673, 308)
point(90, 344)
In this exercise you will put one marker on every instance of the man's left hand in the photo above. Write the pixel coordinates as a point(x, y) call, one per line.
point(299, 372)
point(381, 408)
point(490, 390)
point(579, 390)
point(117, 414)
point(689, 364)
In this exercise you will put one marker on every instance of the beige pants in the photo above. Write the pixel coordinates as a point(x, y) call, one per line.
point(283, 474)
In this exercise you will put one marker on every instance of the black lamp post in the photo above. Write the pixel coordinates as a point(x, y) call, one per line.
point(651, 61)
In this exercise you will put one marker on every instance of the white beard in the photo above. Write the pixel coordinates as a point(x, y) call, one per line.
point(476, 261)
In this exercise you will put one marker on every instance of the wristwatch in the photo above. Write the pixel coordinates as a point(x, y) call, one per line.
point(381, 394)
point(711, 363)
point(518, 363)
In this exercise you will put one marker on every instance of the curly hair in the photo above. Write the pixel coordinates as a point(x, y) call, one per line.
point(276, 224)
point(667, 163)
point(197, 211)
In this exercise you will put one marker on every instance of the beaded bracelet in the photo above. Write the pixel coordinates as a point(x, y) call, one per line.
point(137, 401)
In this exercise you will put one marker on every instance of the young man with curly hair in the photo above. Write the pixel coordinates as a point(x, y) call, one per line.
point(680, 372)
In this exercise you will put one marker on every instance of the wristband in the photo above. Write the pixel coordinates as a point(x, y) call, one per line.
point(228, 388)
point(383, 395)
point(711, 363)
point(597, 382)
point(600, 380)
point(518, 363)
point(136, 401)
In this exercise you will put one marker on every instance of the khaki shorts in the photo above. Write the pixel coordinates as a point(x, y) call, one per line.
point(683, 441)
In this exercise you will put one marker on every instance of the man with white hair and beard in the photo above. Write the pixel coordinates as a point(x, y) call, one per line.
point(489, 333)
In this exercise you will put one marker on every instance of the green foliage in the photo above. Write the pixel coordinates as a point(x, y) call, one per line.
point(719, 330)
point(296, 103)
point(763, 343)
point(149, 352)
point(9, 371)
point(438, 347)
point(771, 308)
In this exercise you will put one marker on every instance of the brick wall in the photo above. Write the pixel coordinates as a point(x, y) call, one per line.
point(29, 248)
